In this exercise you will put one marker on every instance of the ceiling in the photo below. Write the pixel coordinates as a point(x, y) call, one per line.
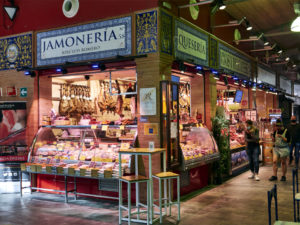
point(272, 18)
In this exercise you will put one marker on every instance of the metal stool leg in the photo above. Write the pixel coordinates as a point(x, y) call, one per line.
point(21, 187)
point(170, 199)
point(165, 196)
point(120, 201)
point(178, 198)
point(148, 202)
point(129, 202)
point(160, 200)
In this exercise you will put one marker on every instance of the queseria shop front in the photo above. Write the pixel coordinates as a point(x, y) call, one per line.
point(190, 145)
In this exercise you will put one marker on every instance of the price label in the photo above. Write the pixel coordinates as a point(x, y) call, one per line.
point(92, 143)
point(98, 159)
point(180, 127)
point(125, 146)
point(82, 157)
point(104, 127)
point(72, 157)
point(124, 161)
point(122, 127)
point(94, 127)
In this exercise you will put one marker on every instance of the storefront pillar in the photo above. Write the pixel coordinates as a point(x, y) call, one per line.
point(250, 98)
point(148, 72)
point(210, 98)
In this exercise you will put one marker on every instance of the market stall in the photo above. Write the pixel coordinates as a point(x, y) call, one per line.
point(85, 118)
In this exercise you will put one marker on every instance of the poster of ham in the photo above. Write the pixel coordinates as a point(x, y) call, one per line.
point(13, 145)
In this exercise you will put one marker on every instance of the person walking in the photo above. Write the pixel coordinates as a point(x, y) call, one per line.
point(252, 141)
point(294, 129)
point(281, 150)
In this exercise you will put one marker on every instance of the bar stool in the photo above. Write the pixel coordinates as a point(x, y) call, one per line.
point(130, 180)
point(167, 176)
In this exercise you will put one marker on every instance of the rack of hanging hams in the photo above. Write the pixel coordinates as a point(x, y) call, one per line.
point(77, 106)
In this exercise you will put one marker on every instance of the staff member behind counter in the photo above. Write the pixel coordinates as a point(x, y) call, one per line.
point(281, 150)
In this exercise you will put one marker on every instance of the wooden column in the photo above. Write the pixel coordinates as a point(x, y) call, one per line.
point(210, 98)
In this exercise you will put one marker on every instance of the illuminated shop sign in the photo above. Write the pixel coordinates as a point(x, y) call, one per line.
point(90, 41)
point(231, 61)
point(190, 44)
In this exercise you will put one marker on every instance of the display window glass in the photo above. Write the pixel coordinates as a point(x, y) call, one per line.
point(86, 98)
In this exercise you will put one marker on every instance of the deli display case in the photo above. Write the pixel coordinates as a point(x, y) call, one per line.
point(198, 147)
point(89, 151)
point(238, 154)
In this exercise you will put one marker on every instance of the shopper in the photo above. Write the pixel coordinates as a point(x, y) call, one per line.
point(294, 130)
point(252, 140)
point(281, 150)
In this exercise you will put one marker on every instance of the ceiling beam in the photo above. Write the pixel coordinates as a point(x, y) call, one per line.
point(280, 33)
point(281, 26)
point(195, 4)
point(230, 2)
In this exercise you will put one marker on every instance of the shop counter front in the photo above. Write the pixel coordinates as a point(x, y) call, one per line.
point(81, 157)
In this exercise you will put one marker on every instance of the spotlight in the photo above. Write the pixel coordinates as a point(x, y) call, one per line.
point(248, 26)
point(58, 70)
point(294, 65)
point(280, 51)
point(30, 73)
point(182, 67)
point(86, 77)
point(214, 72)
point(221, 5)
point(199, 67)
point(266, 42)
point(287, 58)
point(95, 66)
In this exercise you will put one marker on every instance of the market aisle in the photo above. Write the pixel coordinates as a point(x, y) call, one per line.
point(238, 201)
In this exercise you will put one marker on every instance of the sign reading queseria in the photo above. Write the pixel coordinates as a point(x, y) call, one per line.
point(90, 41)
point(233, 62)
point(191, 45)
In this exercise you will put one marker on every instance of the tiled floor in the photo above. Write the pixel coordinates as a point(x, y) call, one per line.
point(238, 201)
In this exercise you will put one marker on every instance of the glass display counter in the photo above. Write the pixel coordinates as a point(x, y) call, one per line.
point(198, 147)
point(81, 149)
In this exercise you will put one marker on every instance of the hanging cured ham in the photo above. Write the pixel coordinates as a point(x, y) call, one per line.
point(63, 104)
point(119, 105)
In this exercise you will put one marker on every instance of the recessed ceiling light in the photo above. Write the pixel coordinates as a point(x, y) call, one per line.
point(287, 58)
point(280, 51)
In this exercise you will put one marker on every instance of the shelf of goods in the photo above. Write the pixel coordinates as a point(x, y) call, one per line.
point(81, 151)
point(238, 154)
point(198, 147)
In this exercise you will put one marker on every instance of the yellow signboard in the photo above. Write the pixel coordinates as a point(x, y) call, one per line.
point(234, 63)
point(191, 44)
